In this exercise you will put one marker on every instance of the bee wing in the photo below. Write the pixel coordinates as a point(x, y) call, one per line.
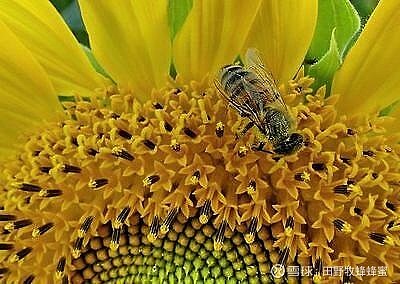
point(270, 93)
point(243, 104)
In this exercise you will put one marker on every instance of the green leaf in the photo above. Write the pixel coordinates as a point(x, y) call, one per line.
point(96, 65)
point(326, 67)
point(73, 18)
point(60, 4)
point(387, 110)
point(334, 14)
point(177, 13)
point(364, 8)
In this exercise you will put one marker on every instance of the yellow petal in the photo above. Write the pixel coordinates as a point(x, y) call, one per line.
point(282, 32)
point(42, 30)
point(369, 78)
point(26, 93)
point(131, 41)
point(213, 34)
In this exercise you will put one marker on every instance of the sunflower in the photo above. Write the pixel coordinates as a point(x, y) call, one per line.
point(140, 177)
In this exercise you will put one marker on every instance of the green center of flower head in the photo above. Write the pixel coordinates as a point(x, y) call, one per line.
point(166, 191)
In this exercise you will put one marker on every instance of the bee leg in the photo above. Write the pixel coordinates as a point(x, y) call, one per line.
point(248, 126)
point(260, 148)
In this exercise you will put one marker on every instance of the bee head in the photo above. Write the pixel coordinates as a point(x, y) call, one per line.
point(290, 145)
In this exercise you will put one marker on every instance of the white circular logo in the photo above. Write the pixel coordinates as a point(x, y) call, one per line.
point(278, 270)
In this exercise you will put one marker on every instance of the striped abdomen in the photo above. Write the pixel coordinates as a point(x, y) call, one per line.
point(233, 79)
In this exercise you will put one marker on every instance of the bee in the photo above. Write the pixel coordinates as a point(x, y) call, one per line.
point(253, 93)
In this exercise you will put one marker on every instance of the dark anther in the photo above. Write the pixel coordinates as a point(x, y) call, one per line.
point(6, 246)
point(189, 132)
point(141, 119)
point(149, 144)
point(27, 200)
point(346, 160)
point(157, 105)
point(205, 212)
point(339, 224)
point(78, 244)
point(250, 236)
point(92, 152)
point(299, 89)
point(86, 224)
point(64, 280)
point(176, 91)
point(252, 186)
point(358, 211)
point(121, 153)
point(60, 267)
point(74, 141)
point(115, 235)
point(97, 183)
point(167, 126)
point(377, 237)
point(219, 238)
point(45, 170)
point(351, 131)
point(253, 225)
point(151, 180)
point(196, 175)
point(388, 149)
point(124, 134)
point(3, 270)
point(318, 166)
point(36, 153)
point(283, 256)
point(219, 129)
point(154, 226)
point(368, 153)
point(29, 187)
point(29, 279)
point(18, 224)
point(289, 222)
point(115, 115)
point(318, 267)
point(121, 218)
point(42, 229)
point(71, 169)
point(7, 217)
point(50, 192)
point(390, 224)
point(342, 189)
point(176, 147)
point(375, 175)
point(166, 224)
point(390, 206)
point(61, 264)
point(22, 253)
